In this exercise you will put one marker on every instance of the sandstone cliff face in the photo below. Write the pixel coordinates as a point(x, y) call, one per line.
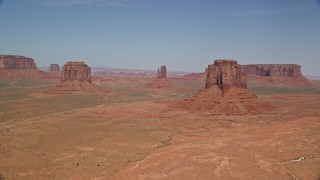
point(273, 70)
point(162, 72)
point(54, 67)
point(76, 78)
point(225, 92)
point(225, 74)
point(74, 70)
point(14, 68)
point(16, 62)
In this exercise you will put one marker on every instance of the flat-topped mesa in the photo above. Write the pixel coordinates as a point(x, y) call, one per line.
point(162, 72)
point(75, 70)
point(225, 73)
point(16, 62)
point(54, 67)
point(273, 70)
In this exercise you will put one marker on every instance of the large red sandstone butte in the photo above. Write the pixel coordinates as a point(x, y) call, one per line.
point(76, 78)
point(225, 74)
point(75, 70)
point(226, 92)
point(14, 67)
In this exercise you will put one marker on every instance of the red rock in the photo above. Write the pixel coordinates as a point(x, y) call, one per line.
point(76, 78)
point(225, 74)
point(19, 67)
point(161, 80)
point(75, 70)
point(54, 67)
point(16, 62)
point(162, 72)
point(274, 70)
point(225, 92)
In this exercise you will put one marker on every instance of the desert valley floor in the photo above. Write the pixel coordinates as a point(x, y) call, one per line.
point(137, 132)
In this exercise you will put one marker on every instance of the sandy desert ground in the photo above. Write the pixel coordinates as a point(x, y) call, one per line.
point(136, 132)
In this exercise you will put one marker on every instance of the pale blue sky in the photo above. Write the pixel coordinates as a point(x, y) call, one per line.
point(144, 34)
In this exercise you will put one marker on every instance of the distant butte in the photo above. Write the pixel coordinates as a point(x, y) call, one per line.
point(274, 70)
point(162, 72)
point(54, 68)
point(161, 81)
point(276, 74)
point(226, 92)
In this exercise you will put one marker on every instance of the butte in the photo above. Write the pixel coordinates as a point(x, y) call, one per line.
point(226, 92)
point(76, 78)
point(161, 81)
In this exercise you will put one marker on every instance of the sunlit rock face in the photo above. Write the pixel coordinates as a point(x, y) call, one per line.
point(225, 74)
point(16, 62)
point(75, 70)
point(273, 70)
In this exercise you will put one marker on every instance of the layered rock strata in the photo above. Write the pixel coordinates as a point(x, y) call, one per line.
point(225, 74)
point(76, 78)
point(13, 67)
point(226, 92)
point(16, 62)
point(273, 70)
point(75, 70)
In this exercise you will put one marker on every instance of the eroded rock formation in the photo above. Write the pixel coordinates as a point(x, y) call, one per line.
point(54, 68)
point(16, 62)
point(161, 80)
point(225, 74)
point(225, 92)
point(162, 72)
point(288, 70)
point(14, 67)
point(75, 70)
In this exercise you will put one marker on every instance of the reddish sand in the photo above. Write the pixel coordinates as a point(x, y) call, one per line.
point(138, 135)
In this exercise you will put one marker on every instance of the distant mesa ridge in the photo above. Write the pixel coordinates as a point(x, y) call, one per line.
point(16, 62)
point(14, 67)
point(273, 70)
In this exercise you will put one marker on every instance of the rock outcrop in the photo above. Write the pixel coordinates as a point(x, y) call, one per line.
point(273, 70)
point(54, 68)
point(225, 92)
point(75, 70)
point(276, 74)
point(16, 62)
point(76, 78)
point(162, 72)
point(14, 67)
point(161, 81)
point(226, 74)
